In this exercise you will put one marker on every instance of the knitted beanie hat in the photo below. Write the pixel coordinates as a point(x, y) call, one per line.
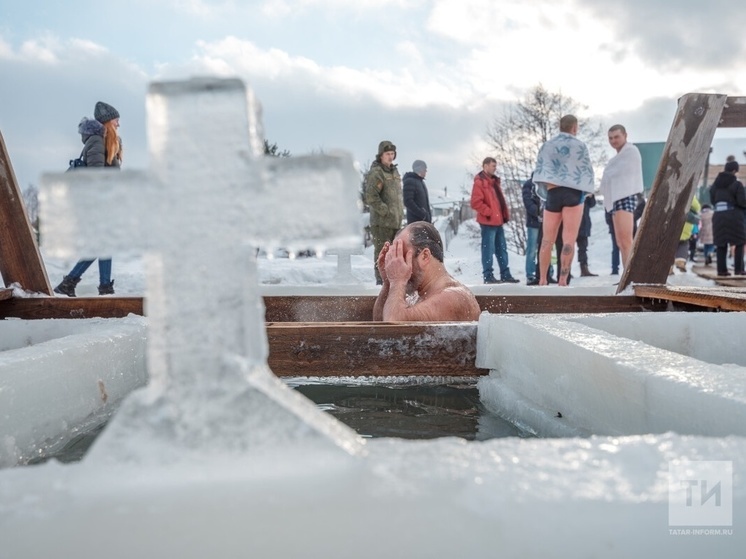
point(105, 112)
point(419, 166)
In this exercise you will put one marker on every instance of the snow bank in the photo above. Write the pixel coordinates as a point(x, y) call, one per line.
point(59, 377)
point(575, 374)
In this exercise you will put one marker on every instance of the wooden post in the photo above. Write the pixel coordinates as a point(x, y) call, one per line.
point(20, 259)
point(734, 113)
point(681, 165)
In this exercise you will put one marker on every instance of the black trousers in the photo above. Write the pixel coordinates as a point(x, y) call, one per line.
point(722, 259)
point(583, 251)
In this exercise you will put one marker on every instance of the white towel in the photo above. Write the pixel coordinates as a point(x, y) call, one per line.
point(564, 161)
point(622, 176)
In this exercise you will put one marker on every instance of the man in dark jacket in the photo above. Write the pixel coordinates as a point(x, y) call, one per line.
point(532, 203)
point(416, 198)
point(583, 233)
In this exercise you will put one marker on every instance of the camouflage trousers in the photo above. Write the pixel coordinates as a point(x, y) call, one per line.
point(380, 236)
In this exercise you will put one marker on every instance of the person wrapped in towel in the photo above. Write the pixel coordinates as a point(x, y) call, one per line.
point(563, 176)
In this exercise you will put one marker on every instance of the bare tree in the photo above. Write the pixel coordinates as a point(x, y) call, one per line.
point(516, 136)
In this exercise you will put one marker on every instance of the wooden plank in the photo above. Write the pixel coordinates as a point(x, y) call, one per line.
point(373, 349)
point(71, 307)
point(734, 113)
point(20, 259)
point(360, 308)
point(710, 273)
point(678, 174)
point(553, 304)
point(319, 308)
point(723, 298)
point(312, 308)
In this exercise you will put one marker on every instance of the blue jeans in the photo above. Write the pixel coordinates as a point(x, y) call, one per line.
point(493, 243)
point(104, 270)
point(532, 246)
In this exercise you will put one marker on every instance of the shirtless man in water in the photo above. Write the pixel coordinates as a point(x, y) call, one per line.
point(416, 285)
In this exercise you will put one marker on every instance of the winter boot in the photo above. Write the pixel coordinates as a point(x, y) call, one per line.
point(585, 272)
point(106, 288)
point(491, 279)
point(67, 286)
point(680, 264)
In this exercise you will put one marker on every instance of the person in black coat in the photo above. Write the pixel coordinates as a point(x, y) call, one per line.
point(416, 198)
point(534, 234)
point(532, 203)
point(728, 200)
point(583, 233)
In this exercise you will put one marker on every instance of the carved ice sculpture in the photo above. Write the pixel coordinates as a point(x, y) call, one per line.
point(209, 199)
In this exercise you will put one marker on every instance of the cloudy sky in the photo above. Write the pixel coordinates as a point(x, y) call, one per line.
point(428, 75)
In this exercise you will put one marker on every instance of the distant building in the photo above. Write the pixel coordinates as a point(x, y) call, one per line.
point(652, 152)
point(721, 149)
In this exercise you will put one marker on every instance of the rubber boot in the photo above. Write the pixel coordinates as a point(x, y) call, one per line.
point(585, 272)
point(67, 286)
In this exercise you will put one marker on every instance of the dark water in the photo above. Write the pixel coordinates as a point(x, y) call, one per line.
point(405, 411)
point(411, 412)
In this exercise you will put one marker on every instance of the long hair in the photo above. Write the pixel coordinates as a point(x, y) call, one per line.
point(111, 142)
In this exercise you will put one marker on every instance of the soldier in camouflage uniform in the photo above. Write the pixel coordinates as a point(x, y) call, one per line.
point(383, 193)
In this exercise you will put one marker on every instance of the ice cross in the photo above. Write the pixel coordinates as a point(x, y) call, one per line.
point(209, 198)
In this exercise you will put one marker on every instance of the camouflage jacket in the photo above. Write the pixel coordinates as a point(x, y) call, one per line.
point(383, 193)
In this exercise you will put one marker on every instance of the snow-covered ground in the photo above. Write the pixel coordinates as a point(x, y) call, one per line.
point(462, 259)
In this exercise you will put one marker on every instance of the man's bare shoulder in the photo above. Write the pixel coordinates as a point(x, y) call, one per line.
point(460, 301)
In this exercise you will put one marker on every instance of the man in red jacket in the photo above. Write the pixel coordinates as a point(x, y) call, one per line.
point(488, 201)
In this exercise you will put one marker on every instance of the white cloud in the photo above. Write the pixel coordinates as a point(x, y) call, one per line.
point(400, 88)
point(285, 7)
point(201, 8)
point(6, 50)
point(324, 84)
point(411, 52)
point(276, 9)
point(676, 34)
point(41, 51)
point(564, 46)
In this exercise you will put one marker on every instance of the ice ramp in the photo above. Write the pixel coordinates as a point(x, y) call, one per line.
point(61, 377)
point(621, 374)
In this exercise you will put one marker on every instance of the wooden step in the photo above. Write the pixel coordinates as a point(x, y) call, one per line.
point(716, 298)
point(373, 349)
point(710, 272)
